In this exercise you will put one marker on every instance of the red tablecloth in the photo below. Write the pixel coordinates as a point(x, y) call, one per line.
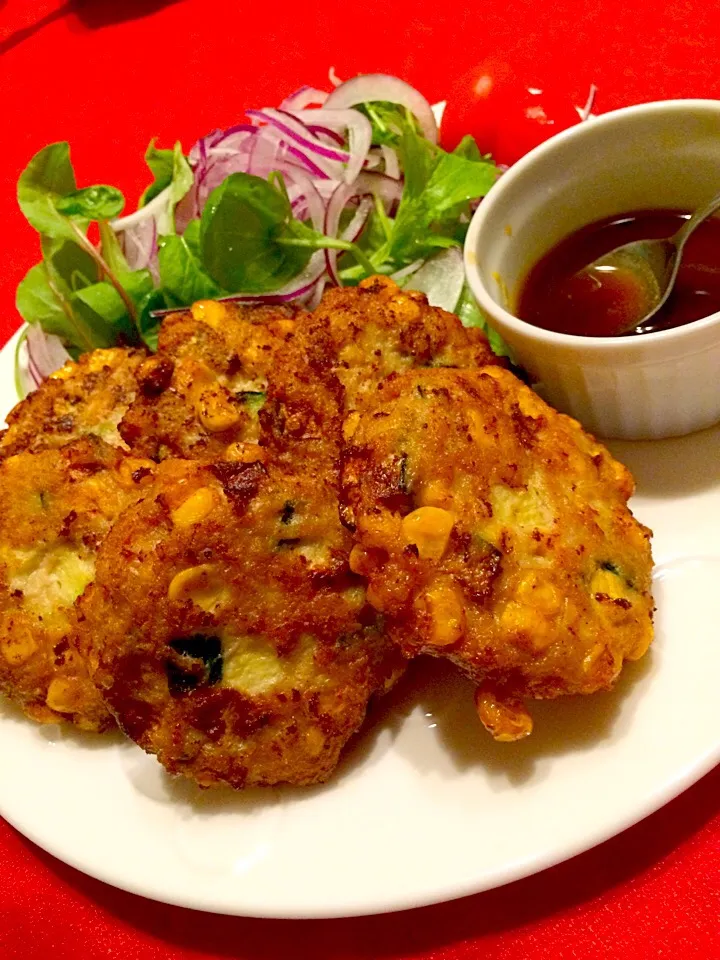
point(108, 75)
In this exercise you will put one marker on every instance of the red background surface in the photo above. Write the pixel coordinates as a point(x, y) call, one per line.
point(108, 76)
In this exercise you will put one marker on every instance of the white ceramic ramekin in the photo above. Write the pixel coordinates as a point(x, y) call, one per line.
point(652, 156)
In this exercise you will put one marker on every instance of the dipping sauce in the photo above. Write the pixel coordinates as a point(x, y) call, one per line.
point(554, 297)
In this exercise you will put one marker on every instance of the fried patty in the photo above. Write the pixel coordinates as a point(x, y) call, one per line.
point(89, 396)
point(56, 506)
point(201, 394)
point(363, 334)
point(495, 532)
point(340, 353)
point(227, 632)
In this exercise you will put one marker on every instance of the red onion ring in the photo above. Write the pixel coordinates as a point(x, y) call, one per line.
point(45, 352)
point(359, 130)
point(292, 127)
point(373, 87)
point(303, 98)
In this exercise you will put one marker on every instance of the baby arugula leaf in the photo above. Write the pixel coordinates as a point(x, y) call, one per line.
point(438, 187)
point(37, 302)
point(388, 121)
point(181, 182)
point(170, 169)
point(45, 299)
point(181, 273)
point(104, 312)
point(161, 167)
point(111, 250)
point(469, 149)
point(191, 236)
point(91, 203)
point(242, 221)
point(69, 263)
point(48, 177)
point(456, 180)
point(103, 309)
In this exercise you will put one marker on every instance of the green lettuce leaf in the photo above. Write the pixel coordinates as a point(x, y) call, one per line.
point(47, 178)
point(182, 275)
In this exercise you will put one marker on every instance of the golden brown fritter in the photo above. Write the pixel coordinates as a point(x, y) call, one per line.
point(227, 633)
point(89, 396)
point(201, 393)
point(56, 506)
point(363, 334)
point(495, 532)
point(339, 354)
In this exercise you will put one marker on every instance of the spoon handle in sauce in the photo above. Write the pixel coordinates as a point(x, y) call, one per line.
point(695, 220)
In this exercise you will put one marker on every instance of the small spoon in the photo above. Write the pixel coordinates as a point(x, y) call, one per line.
point(655, 262)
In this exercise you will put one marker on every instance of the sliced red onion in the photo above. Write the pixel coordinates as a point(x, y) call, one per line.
point(392, 164)
point(353, 230)
point(373, 87)
point(303, 98)
point(379, 185)
point(33, 374)
point(301, 187)
point(291, 126)
point(138, 233)
point(441, 279)
point(319, 131)
point(312, 302)
point(339, 200)
point(306, 162)
point(333, 77)
point(359, 130)
point(45, 352)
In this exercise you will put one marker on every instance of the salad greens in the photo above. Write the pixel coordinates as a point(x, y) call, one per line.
point(245, 215)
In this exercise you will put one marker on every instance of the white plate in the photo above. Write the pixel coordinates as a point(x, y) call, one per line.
point(425, 807)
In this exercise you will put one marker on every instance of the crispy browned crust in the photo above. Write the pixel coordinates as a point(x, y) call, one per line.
point(56, 506)
point(342, 351)
point(538, 579)
point(202, 392)
point(250, 564)
point(89, 396)
point(363, 334)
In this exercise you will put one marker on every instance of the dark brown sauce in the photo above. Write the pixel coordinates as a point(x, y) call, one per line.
point(555, 298)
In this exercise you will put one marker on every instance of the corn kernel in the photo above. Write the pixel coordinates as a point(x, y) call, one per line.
point(65, 695)
point(201, 584)
point(429, 529)
point(642, 643)
point(606, 581)
point(506, 718)
point(18, 646)
point(404, 307)
point(358, 559)
point(538, 593)
point(245, 453)
point(526, 626)
point(210, 312)
point(197, 506)
point(314, 741)
point(447, 615)
point(216, 411)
